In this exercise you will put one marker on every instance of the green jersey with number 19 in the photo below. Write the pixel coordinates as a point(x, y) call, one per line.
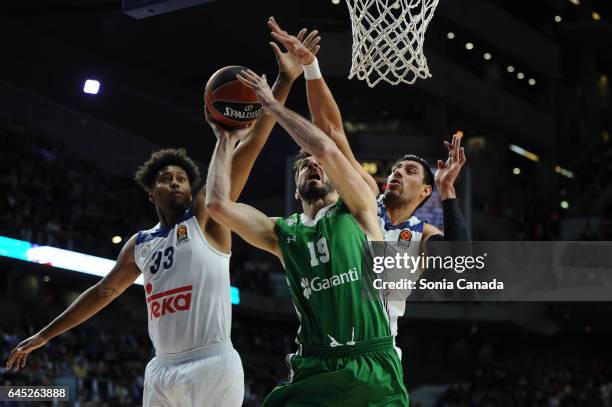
point(328, 271)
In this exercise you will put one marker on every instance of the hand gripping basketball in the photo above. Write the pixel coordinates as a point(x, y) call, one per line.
point(260, 86)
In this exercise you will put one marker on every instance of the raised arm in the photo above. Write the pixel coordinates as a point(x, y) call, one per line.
point(249, 223)
point(321, 103)
point(352, 188)
point(123, 274)
point(246, 153)
point(289, 69)
point(455, 226)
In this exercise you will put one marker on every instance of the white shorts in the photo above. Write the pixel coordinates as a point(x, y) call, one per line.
point(215, 380)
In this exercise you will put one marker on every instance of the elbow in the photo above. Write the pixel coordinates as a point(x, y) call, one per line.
point(214, 207)
point(326, 125)
point(326, 150)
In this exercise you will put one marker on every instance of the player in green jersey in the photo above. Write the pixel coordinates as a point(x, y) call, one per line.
point(346, 355)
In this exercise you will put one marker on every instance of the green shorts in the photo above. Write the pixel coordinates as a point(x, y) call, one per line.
point(368, 373)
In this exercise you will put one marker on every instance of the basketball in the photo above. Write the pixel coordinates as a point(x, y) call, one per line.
point(229, 102)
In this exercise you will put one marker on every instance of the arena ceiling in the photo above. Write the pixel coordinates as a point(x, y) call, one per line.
point(153, 70)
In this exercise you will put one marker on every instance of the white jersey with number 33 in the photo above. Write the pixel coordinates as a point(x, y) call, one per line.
point(187, 288)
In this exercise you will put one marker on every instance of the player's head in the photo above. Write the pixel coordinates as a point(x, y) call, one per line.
point(311, 181)
point(410, 181)
point(168, 176)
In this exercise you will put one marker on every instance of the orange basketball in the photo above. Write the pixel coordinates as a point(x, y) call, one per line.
point(229, 102)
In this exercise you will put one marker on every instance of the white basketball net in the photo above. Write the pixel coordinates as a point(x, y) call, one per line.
point(388, 38)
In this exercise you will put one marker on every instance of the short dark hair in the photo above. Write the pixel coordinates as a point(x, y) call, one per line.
point(428, 176)
point(146, 175)
point(297, 162)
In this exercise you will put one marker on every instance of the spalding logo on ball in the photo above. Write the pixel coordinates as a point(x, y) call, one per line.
point(229, 102)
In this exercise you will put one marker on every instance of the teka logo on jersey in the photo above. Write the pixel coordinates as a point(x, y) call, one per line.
point(168, 302)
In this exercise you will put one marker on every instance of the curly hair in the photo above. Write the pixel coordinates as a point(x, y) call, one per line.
point(146, 175)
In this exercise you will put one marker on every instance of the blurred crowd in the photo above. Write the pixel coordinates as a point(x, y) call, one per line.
point(105, 367)
point(56, 198)
point(580, 385)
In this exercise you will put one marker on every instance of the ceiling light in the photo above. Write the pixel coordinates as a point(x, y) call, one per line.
point(91, 86)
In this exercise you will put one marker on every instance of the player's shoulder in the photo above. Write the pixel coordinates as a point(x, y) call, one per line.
point(291, 220)
point(128, 250)
point(430, 230)
point(160, 231)
point(339, 207)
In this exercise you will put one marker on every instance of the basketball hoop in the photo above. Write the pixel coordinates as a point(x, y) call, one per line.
point(388, 38)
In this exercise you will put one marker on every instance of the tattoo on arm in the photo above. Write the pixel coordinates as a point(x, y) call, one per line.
point(109, 292)
point(303, 132)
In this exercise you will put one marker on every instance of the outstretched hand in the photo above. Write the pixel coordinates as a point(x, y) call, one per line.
point(448, 171)
point(19, 355)
point(289, 63)
point(260, 87)
point(303, 49)
point(234, 135)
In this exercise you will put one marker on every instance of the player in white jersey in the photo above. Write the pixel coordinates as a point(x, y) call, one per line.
point(185, 263)
point(410, 183)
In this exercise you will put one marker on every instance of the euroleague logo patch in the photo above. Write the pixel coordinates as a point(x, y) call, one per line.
point(182, 235)
point(405, 235)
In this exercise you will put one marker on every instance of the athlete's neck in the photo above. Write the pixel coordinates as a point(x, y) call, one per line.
point(169, 218)
point(311, 208)
point(399, 213)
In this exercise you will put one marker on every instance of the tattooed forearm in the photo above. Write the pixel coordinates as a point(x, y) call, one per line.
point(108, 292)
point(305, 134)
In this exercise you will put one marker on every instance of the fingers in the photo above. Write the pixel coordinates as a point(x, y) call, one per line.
point(245, 81)
point(441, 164)
point(245, 78)
point(274, 25)
point(312, 44)
point(11, 358)
point(315, 51)
point(250, 76)
point(15, 357)
point(457, 146)
point(448, 146)
point(462, 158)
point(310, 37)
point(301, 34)
point(251, 79)
point(276, 49)
point(215, 126)
point(285, 39)
point(207, 115)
